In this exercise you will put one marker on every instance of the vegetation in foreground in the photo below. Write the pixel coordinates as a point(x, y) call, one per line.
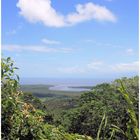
point(108, 112)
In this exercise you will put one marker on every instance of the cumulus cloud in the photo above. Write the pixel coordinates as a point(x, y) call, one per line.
point(40, 49)
point(50, 42)
point(90, 11)
point(42, 11)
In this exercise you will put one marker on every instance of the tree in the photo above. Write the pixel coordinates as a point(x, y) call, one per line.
point(20, 119)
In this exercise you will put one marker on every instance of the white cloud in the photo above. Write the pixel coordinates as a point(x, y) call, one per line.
point(90, 11)
point(41, 49)
point(129, 51)
point(101, 44)
point(50, 42)
point(42, 11)
point(95, 65)
point(126, 67)
point(98, 67)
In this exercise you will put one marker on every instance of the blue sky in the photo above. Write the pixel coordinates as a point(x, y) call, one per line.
point(76, 38)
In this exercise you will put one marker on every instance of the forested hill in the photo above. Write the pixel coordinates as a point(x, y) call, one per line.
point(108, 112)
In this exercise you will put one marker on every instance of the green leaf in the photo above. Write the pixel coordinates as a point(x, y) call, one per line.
point(8, 59)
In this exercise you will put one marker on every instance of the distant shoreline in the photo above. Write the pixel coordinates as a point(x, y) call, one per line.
point(63, 88)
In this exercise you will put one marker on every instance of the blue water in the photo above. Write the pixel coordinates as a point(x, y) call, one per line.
point(67, 88)
point(63, 84)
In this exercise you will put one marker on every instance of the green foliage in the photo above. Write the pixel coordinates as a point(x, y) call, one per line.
point(132, 125)
point(20, 119)
point(86, 118)
point(104, 121)
point(108, 112)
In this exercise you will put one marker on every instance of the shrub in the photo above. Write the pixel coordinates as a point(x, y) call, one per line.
point(20, 119)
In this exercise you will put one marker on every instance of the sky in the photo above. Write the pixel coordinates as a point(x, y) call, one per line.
point(71, 39)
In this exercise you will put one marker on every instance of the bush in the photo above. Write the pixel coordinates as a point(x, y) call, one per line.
point(113, 100)
point(20, 119)
point(108, 112)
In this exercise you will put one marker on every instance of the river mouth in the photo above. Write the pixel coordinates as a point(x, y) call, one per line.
point(69, 88)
